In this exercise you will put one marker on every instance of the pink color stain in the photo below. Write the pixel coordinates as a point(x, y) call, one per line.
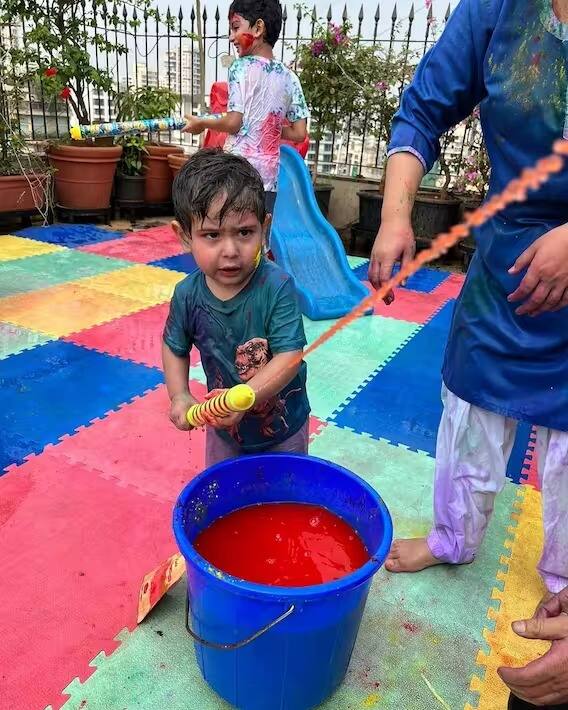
point(411, 628)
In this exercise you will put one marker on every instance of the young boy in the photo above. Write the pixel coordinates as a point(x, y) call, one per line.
point(263, 93)
point(239, 309)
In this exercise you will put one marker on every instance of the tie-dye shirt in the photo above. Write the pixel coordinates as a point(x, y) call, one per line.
point(266, 92)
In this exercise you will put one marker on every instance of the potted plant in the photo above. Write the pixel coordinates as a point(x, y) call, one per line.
point(130, 178)
point(24, 175)
point(56, 53)
point(338, 76)
point(153, 102)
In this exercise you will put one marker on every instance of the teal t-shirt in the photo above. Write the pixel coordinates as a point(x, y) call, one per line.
point(236, 338)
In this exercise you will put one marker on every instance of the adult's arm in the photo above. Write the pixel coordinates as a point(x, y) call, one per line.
point(448, 84)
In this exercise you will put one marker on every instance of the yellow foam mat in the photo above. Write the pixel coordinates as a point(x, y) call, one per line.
point(65, 309)
point(149, 284)
point(18, 247)
point(522, 591)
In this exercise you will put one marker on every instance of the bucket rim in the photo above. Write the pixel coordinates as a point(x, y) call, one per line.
point(274, 593)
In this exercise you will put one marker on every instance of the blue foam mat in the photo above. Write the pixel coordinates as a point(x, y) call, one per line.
point(70, 235)
point(53, 389)
point(402, 402)
point(425, 280)
point(182, 262)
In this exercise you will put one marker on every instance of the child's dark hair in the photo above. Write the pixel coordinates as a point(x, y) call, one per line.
point(212, 172)
point(269, 11)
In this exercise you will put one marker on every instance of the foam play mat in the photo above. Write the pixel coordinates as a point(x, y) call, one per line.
point(90, 467)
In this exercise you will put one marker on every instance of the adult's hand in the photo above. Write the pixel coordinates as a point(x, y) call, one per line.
point(394, 243)
point(545, 285)
point(544, 681)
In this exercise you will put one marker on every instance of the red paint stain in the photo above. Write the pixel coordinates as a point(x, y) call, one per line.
point(411, 628)
point(245, 40)
point(283, 544)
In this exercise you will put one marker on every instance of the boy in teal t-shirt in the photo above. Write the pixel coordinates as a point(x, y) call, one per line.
point(239, 310)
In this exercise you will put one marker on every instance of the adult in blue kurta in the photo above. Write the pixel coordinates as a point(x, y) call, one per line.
point(507, 354)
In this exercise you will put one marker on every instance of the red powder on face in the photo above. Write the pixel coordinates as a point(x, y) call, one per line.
point(245, 40)
point(283, 544)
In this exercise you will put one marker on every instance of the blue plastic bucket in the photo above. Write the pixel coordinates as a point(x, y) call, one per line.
point(276, 648)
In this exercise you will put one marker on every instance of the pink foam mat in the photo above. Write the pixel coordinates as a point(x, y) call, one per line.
point(140, 247)
point(75, 548)
point(136, 337)
point(138, 446)
point(411, 306)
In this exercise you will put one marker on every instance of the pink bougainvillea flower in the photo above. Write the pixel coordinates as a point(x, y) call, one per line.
point(318, 47)
point(381, 86)
point(51, 71)
point(65, 93)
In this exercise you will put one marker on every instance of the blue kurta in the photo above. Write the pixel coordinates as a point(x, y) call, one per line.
point(511, 57)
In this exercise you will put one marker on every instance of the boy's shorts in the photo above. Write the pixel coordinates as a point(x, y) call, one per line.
point(218, 449)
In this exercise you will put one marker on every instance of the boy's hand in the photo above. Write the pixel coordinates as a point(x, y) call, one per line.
point(228, 422)
point(193, 125)
point(178, 410)
point(545, 285)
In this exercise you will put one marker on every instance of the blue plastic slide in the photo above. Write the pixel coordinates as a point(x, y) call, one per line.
point(306, 246)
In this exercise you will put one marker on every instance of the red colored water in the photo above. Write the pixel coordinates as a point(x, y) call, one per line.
point(283, 544)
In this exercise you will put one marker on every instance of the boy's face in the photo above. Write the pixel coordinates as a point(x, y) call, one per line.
point(242, 35)
point(226, 253)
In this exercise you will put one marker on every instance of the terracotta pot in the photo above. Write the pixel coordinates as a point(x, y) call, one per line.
point(158, 187)
point(176, 162)
point(84, 176)
point(21, 193)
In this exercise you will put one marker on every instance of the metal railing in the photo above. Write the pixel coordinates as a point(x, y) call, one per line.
point(161, 47)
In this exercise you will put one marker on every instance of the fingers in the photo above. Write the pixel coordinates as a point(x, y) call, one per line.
point(374, 270)
point(541, 682)
point(552, 301)
point(408, 255)
point(541, 627)
point(526, 287)
point(524, 260)
point(532, 675)
point(385, 272)
point(179, 420)
point(563, 301)
point(213, 393)
point(536, 301)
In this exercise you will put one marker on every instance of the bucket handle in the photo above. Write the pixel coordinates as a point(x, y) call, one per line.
point(238, 644)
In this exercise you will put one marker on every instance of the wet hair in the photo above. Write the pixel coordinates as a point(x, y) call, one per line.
point(210, 173)
point(269, 11)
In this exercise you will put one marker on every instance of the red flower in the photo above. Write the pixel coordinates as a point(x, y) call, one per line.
point(52, 71)
point(65, 93)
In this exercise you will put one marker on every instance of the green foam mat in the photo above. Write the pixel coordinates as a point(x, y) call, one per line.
point(355, 261)
point(44, 270)
point(14, 339)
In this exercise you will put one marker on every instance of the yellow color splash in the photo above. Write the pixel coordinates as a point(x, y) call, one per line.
point(371, 700)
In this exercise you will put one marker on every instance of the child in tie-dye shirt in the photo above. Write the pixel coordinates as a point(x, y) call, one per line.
point(266, 101)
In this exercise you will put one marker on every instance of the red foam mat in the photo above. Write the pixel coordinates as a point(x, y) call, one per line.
point(75, 548)
point(138, 446)
point(136, 337)
point(140, 247)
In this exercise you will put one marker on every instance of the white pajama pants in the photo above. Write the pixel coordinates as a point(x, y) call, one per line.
point(472, 454)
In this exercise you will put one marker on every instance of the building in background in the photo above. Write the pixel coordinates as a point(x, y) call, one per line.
point(146, 76)
point(182, 71)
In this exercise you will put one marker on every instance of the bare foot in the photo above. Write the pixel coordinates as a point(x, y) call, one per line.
point(410, 556)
